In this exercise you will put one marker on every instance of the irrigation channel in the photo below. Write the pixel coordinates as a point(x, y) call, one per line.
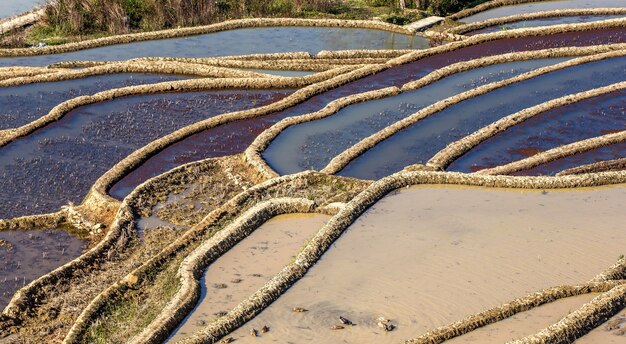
point(157, 187)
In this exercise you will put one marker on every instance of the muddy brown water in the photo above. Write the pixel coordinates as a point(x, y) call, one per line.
point(26, 255)
point(248, 266)
point(428, 256)
point(422, 140)
point(20, 105)
point(542, 6)
point(60, 162)
point(239, 135)
point(525, 323)
point(589, 118)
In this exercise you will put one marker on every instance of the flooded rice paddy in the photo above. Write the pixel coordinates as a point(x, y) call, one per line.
point(240, 134)
point(427, 256)
point(589, 118)
point(312, 145)
point(60, 162)
point(249, 41)
point(543, 6)
point(248, 266)
point(544, 22)
point(424, 139)
point(20, 105)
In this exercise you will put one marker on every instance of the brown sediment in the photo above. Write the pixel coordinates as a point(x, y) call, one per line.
point(191, 31)
point(342, 159)
point(462, 29)
point(601, 166)
point(454, 150)
point(557, 153)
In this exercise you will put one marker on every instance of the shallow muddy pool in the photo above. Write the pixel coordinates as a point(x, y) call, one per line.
point(589, 118)
point(248, 266)
point(60, 162)
point(543, 6)
point(421, 141)
point(525, 323)
point(427, 256)
point(9, 8)
point(312, 145)
point(20, 105)
point(543, 22)
point(26, 255)
point(249, 41)
point(208, 144)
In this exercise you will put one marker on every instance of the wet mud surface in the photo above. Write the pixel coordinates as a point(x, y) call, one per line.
point(469, 249)
point(240, 134)
point(312, 145)
point(589, 118)
point(248, 266)
point(543, 6)
point(544, 22)
point(249, 41)
point(60, 162)
point(26, 255)
point(424, 139)
point(23, 104)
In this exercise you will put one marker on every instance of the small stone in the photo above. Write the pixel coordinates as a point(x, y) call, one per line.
point(220, 286)
point(345, 321)
point(337, 327)
point(254, 333)
point(265, 329)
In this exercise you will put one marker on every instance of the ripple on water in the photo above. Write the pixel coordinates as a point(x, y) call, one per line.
point(248, 266)
point(428, 256)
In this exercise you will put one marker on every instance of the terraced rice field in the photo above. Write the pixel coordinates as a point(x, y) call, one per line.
point(320, 181)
